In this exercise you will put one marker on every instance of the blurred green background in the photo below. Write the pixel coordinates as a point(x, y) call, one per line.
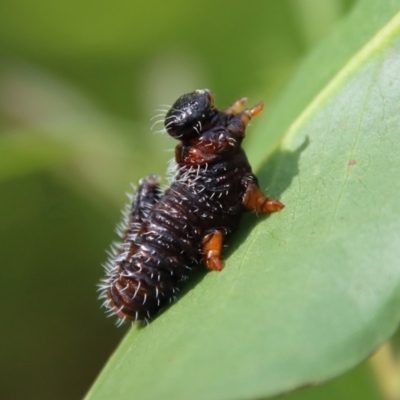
point(79, 83)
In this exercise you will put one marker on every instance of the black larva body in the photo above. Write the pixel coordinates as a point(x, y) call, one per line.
point(165, 232)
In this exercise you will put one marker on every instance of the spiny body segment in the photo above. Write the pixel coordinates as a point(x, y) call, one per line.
point(169, 233)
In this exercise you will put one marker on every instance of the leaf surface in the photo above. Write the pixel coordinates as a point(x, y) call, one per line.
point(311, 291)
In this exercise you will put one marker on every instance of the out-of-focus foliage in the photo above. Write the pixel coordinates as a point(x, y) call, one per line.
point(79, 82)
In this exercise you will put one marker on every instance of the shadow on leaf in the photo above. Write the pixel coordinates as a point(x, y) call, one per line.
point(278, 172)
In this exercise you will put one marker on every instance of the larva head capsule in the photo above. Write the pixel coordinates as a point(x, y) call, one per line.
point(188, 114)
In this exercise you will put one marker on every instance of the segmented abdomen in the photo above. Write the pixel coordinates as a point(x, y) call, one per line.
point(164, 243)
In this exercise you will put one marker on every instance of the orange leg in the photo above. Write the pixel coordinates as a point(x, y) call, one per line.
point(255, 200)
point(248, 114)
point(238, 124)
point(236, 107)
point(212, 249)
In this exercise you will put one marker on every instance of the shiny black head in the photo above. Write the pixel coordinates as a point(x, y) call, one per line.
point(188, 114)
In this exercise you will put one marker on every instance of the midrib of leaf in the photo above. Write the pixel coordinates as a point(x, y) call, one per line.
point(383, 36)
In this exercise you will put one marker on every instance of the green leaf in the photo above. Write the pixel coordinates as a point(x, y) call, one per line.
point(309, 292)
point(359, 383)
